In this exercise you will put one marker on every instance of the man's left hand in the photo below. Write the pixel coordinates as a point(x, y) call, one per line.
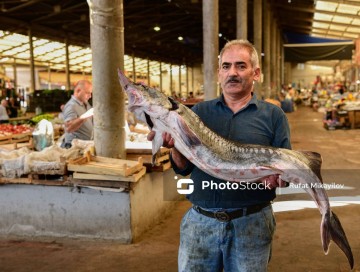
point(274, 181)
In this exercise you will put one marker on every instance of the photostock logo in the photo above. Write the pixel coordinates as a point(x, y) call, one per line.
point(188, 190)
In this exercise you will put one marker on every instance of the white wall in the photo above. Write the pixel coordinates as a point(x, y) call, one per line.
point(303, 75)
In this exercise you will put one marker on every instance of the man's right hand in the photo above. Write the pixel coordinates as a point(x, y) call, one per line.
point(168, 141)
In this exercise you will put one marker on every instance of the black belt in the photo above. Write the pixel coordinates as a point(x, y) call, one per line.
point(224, 216)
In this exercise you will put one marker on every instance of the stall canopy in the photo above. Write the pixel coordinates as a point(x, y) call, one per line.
point(302, 48)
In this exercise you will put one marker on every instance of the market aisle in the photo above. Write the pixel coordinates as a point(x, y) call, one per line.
point(297, 245)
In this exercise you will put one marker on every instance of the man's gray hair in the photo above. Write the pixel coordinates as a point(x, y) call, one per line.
point(81, 84)
point(254, 58)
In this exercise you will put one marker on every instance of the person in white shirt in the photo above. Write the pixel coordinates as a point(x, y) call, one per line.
point(4, 116)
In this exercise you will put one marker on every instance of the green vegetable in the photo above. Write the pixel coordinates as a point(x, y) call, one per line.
point(38, 118)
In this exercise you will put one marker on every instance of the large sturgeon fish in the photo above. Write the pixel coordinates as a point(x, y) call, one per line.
point(233, 161)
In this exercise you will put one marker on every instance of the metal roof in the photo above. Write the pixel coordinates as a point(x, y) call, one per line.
point(53, 21)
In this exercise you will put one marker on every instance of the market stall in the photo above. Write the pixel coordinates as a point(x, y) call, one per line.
point(110, 194)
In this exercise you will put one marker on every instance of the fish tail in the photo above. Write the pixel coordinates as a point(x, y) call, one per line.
point(331, 229)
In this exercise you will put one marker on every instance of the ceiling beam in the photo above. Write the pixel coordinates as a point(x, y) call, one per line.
point(337, 14)
point(58, 12)
point(26, 4)
point(294, 8)
point(346, 2)
point(336, 23)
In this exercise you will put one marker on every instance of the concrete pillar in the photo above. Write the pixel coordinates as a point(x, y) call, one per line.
point(187, 81)
point(160, 77)
point(278, 60)
point(134, 68)
point(15, 74)
point(107, 44)
point(148, 72)
point(67, 65)
point(49, 76)
point(180, 81)
point(258, 41)
point(356, 78)
point(192, 80)
point(32, 64)
point(170, 81)
point(241, 19)
point(211, 47)
point(282, 64)
point(267, 65)
point(273, 55)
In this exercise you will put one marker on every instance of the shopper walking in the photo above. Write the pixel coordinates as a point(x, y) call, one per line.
point(231, 229)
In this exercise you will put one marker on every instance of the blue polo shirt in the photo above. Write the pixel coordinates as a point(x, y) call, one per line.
point(259, 123)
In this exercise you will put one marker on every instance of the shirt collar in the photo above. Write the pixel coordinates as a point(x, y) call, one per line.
point(78, 101)
point(253, 100)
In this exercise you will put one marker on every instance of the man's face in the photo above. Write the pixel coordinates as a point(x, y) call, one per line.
point(85, 93)
point(236, 74)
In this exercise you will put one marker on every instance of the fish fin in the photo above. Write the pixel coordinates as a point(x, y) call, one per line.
point(189, 137)
point(156, 145)
point(315, 160)
point(331, 229)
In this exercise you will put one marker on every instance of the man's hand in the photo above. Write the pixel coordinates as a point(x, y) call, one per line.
point(168, 141)
point(274, 181)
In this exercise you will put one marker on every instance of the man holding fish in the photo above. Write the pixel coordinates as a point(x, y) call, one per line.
point(231, 229)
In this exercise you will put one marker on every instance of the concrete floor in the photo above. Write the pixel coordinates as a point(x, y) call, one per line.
point(297, 245)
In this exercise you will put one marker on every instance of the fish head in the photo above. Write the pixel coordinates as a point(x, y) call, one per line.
point(143, 100)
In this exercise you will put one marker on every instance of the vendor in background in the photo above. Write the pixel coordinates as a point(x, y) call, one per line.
point(13, 108)
point(77, 127)
point(4, 116)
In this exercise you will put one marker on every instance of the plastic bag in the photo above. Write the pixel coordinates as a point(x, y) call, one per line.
point(43, 135)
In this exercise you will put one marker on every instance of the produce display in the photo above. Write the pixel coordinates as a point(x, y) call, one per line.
point(8, 129)
point(38, 118)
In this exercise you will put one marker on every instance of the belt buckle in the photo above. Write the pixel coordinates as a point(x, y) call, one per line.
point(222, 216)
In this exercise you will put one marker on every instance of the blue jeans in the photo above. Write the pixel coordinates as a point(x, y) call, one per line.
point(243, 244)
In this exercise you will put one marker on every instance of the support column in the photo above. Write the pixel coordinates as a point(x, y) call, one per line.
point(278, 61)
point(67, 65)
point(273, 55)
point(107, 44)
point(32, 65)
point(258, 42)
point(15, 74)
point(192, 79)
point(187, 81)
point(170, 81)
point(148, 72)
point(356, 77)
point(134, 68)
point(241, 19)
point(180, 81)
point(49, 77)
point(267, 46)
point(160, 77)
point(211, 47)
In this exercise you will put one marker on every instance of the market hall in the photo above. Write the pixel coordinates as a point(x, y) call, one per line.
point(117, 191)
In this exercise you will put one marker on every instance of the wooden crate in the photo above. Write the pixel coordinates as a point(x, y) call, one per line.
point(162, 160)
point(107, 180)
point(15, 138)
point(37, 179)
point(105, 166)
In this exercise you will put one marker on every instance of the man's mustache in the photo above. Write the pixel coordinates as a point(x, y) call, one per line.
point(233, 79)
